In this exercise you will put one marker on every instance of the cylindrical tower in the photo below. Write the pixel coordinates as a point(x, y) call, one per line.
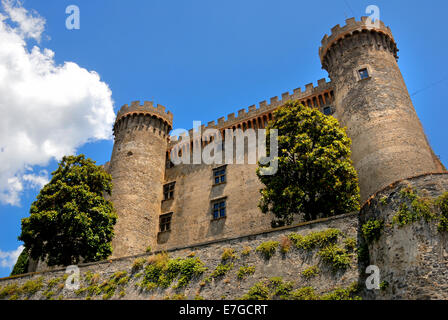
point(137, 167)
point(372, 101)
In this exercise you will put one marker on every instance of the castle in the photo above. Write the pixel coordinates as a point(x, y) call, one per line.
point(164, 206)
point(204, 211)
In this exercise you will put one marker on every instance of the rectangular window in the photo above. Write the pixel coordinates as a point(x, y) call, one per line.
point(219, 209)
point(363, 73)
point(219, 175)
point(328, 111)
point(165, 222)
point(168, 191)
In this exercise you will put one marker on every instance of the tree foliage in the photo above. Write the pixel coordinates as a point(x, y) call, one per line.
point(21, 266)
point(315, 174)
point(71, 218)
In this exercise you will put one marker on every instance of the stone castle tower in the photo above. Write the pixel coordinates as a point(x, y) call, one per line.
point(367, 94)
point(137, 167)
point(372, 101)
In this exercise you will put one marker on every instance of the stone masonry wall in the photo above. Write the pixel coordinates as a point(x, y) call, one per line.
point(192, 220)
point(288, 266)
point(413, 258)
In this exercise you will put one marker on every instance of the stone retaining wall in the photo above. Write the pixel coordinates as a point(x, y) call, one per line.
point(288, 266)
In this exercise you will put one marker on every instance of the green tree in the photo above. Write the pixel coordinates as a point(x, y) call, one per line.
point(315, 173)
point(21, 265)
point(71, 218)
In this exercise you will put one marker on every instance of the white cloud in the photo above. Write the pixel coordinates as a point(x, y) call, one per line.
point(28, 25)
point(9, 258)
point(36, 181)
point(46, 110)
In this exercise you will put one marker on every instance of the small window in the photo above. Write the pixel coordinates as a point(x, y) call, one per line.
point(363, 73)
point(219, 209)
point(168, 163)
point(328, 111)
point(165, 222)
point(168, 191)
point(219, 175)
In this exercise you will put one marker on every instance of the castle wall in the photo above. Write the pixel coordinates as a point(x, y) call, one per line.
point(192, 220)
point(412, 259)
point(288, 266)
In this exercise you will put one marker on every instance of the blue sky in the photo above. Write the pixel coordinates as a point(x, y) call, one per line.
point(206, 59)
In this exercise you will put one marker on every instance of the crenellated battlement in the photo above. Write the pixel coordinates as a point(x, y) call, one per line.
point(351, 27)
point(147, 108)
point(264, 107)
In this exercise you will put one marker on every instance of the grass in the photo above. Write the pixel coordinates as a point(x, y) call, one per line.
point(268, 248)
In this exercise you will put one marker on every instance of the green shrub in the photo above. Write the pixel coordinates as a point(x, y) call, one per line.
point(384, 285)
point(228, 254)
point(190, 268)
point(32, 286)
point(149, 286)
point(336, 256)
point(317, 239)
point(343, 294)
point(170, 272)
point(123, 281)
point(285, 245)
point(268, 248)
point(246, 251)
point(363, 253)
point(371, 230)
point(221, 270)
point(88, 276)
point(53, 282)
point(419, 208)
point(305, 293)
point(310, 272)
point(245, 271)
point(416, 207)
point(162, 271)
point(9, 290)
point(107, 287)
point(269, 289)
point(442, 205)
point(177, 296)
point(48, 294)
point(260, 291)
point(308, 293)
point(279, 288)
point(138, 264)
point(350, 244)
